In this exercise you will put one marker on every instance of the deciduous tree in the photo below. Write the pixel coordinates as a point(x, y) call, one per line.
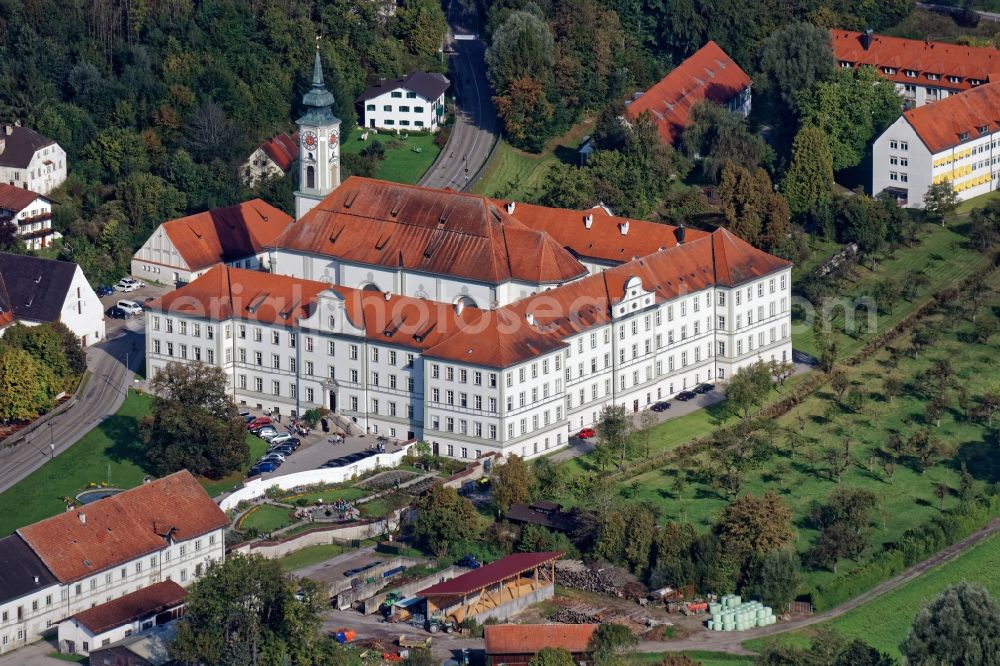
point(444, 518)
point(512, 482)
point(960, 626)
point(552, 657)
point(754, 526)
point(808, 183)
point(614, 431)
point(794, 58)
point(940, 200)
point(774, 578)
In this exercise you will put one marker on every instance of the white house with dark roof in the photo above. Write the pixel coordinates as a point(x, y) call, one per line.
point(35, 290)
point(414, 102)
point(164, 530)
point(30, 160)
point(30, 213)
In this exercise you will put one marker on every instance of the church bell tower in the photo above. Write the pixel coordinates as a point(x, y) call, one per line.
point(319, 144)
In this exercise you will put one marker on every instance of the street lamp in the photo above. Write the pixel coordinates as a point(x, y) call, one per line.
point(52, 443)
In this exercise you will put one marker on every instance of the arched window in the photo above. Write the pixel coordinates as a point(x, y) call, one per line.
point(311, 177)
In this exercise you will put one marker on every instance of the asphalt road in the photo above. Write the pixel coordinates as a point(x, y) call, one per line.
point(103, 395)
point(475, 127)
point(948, 9)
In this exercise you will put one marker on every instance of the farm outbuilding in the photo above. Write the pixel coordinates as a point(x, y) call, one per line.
point(496, 590)
point(516, 644)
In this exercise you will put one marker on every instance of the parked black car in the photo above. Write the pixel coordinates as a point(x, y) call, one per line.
point(105, 290)
point(661, 406)
point(116, 312)
point(704, 388)
point(684, 396)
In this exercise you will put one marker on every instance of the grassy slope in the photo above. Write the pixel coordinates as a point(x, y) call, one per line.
point(309, 556)
point(884, 622)
point(402, 164)
point(940, 254)
point(517, 174)
point(114, 445)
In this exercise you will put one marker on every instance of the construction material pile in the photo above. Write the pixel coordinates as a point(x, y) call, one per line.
point(574, 616)
point(733, 614)
point(608, 580)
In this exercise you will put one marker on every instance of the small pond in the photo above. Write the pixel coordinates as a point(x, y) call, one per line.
point(88, 496)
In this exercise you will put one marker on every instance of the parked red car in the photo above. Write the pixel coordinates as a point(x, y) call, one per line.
point(258, 422)
point(587, 433)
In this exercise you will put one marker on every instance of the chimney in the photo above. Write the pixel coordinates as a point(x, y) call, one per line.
point(459, 306)
point(866, 38)
point(623, 227)
point(530, 317)
point(588, 221)
point(3, 142)
point(17, 123)
point(9, 129)
point(510, 207)
point(83, 518)
point(679, 233)
point(36, 579)
point(388, 295)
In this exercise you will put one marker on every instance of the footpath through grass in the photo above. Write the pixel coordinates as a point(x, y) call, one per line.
point(406, 159)
point(110, 453)
point(884, 622)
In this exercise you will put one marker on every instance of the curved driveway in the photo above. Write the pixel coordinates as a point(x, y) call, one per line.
point(475, 127)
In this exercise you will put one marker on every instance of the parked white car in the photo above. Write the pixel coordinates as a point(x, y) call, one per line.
point(131, 307)
point(138, 284)
point(280, 437)
point(125, 287)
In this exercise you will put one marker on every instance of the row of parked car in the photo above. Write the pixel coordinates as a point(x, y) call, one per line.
point(344, 461)
point(125, 286)
point(280, 444)
point(661, 406)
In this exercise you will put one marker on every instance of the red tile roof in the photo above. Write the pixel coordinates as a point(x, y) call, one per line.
point(120, 528)
point(941, 124)
point(226, 234)
point(604, 239)
point(16, 198)
point(224, 292)
point(132, 607)
point(378, 223)
point(709, 74)
point(490, 574)
point(283, 149)
point(924, 57)
point(506, 639)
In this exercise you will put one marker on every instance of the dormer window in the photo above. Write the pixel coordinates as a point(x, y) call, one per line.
point(888, 70)
point(845, 63)
point(933, 77)
point(962, 136)
point(983, 129)
point(974, 82)
point(912, 73)
point(954, 79)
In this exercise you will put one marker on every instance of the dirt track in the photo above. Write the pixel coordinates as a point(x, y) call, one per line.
point(732, 641)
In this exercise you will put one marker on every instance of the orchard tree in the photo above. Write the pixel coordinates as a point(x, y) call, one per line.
point(940, 200)
point(614, 432)
point(844, 525)
point(984, 225)
point(754, 526)
point(748, 388)
point(808, 183)
point(794, 58)
point(989, 404)
point(960, 626)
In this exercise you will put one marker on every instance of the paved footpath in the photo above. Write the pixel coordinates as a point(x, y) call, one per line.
point(102, 396)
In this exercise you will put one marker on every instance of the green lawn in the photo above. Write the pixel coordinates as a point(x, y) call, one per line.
point(111, 453)
point(885, 621)
point(402, 162)
point(329, 495)
point(267, 518)
point(309, 556)
point(376, 508)
point(976, 202)
point(516, 174)
point(940, 254)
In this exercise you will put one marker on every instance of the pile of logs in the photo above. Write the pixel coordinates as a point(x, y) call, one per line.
point(604, 580)
point(574, 616)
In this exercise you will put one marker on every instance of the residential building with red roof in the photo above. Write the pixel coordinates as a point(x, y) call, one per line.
point(180, 250)
point(273, 158)
point(164, 530)
point(120, 618)
point(951, 141)
point(708, 75)
point(30, 160)
point(516, 644)
point(479, 325)
point(30, 213)
point(923, 71)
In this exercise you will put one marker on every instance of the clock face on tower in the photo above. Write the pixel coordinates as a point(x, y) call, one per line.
point(309, 140)
point(333, 139)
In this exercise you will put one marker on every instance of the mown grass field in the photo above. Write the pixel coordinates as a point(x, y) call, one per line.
point(112, 452)
point(516, 174)
point(267, 518)
point(309, 556)
point(941, 254)
point(402, 163)
point(885, 622)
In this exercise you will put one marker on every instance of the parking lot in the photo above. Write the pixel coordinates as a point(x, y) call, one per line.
point(140, 296)
point(317, 448)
